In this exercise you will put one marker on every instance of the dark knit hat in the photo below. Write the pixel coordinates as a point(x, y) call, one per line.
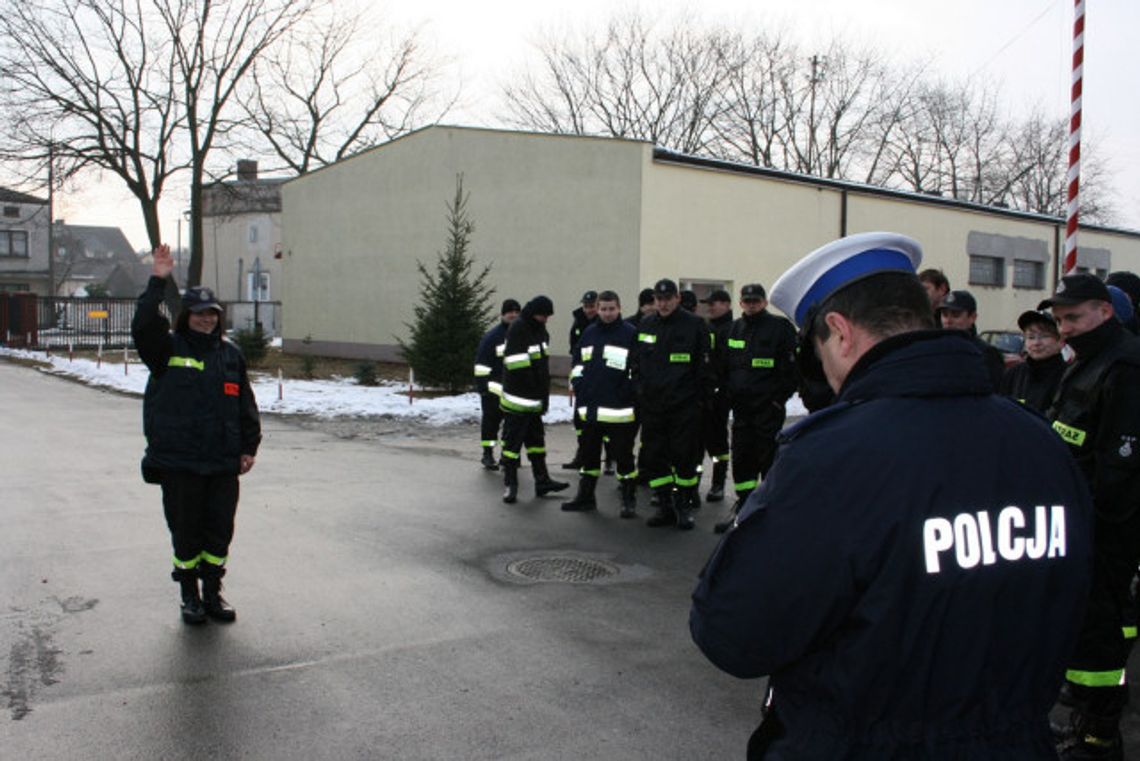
point(510, 305)
point(541, 305)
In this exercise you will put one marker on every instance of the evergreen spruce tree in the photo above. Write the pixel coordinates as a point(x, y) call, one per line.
point(455, 308)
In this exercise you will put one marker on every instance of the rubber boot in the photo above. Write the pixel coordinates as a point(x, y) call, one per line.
point(510, 481)
point(543, 483)
point(628, 498)
point(663, 515)
point(216, 606)
point(584, 500)
point(576, 463)
point(488, 460)
point(719, 474)
point(1092, 737)
point(730, 517)
point(192, 610)
point(686, 507)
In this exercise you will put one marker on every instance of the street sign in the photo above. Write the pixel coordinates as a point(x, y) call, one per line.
point(98, 314)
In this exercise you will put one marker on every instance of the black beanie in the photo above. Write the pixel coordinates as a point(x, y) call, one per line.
point(540, 305)
point(510, 305)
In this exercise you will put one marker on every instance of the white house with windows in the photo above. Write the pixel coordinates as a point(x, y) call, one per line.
point(24, 243)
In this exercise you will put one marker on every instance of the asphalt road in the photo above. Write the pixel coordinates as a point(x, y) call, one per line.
point(384, 608)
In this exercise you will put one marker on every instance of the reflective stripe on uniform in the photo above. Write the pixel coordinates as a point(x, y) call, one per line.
point(685, 483)
point(495, 388)
point(1129, 632)
point(627, 476)
point(500, 350)
point(679, 358)
point(536, 450)
point(612, 415)
point(1113, 678)
point(575, 372)
point(736, 343)
point(187, 565)
point(536, 351)
point(510, 455)
point(520, 403)
point(647, 338)
point(486, 443)
point(212, 559)
point(595, 472)
point(659, 482)
point(587, 353)
point(1074, 436)
point(515, 361)
point(744, 486)
point(482, 371)
point(189, 362)
point(582, 412)
point(763, 362)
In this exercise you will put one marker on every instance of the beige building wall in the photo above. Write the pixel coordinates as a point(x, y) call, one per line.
point(552, 215)
point(712, 225)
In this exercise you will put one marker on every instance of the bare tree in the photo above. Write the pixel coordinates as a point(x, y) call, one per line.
point(88, 85)
point(328, 92)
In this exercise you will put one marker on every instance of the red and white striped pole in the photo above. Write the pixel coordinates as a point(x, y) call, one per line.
point(1074, 178)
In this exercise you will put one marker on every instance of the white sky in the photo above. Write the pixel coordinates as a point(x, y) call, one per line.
point(1025, 46)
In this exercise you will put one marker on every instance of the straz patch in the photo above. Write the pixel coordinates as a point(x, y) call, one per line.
point(232, 389)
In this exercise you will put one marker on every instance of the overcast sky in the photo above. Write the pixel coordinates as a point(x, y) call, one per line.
point(1024, 46)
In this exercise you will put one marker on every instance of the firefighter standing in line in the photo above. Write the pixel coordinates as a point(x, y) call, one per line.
point(675, 383)
point(908, 597)
point(584, 316)
point(202, 429)
point(605, 398)
point(761, 377)
point(719, 306)
point(1097, 413)
point(526, 397)
point(488, 374)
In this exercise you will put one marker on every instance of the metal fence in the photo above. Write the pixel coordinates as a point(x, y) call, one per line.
point(44, 322)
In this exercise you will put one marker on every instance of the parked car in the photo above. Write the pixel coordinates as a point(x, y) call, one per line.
point(1010, 343)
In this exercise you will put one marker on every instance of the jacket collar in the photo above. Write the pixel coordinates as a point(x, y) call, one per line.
point(922, 363)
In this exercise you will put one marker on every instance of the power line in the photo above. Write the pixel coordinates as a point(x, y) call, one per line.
point(1048, 7)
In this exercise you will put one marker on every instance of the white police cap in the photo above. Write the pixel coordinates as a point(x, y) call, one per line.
point(824, 271)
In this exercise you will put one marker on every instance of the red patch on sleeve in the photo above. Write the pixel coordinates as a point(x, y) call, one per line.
point(232, 389)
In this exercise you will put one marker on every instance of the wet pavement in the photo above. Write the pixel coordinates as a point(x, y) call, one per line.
point(390, 606)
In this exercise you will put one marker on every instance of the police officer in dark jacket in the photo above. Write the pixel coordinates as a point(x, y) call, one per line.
point(761, 377)
point(675, 383)
point(604, 402)
point(1035, 381)
point(202, 430)
point(959, 311)
point(488, 375)
point(719, 305)
point(526, 396)
point(907, 601)
point(1097, 413)
point(584, 316)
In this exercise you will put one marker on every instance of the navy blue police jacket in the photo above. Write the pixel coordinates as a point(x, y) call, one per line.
point(489, 360)
point(199, 412)
point(912, 571)
point(603, 388)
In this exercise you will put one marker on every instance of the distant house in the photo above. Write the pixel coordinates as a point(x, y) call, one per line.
point(99, 260)
point(24, 263)
point(241, 247)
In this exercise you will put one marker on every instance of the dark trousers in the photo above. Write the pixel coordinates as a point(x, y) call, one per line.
point(754, 443)
point(716, 429)
point(200, 514)
point(672, 446)
point(1097, 666)
point(523, 430)
point(492, 417)
point(619, 442)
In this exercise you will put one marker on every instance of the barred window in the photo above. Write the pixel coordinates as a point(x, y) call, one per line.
point(987, 270)
point(14, 243)
point(1028, 274)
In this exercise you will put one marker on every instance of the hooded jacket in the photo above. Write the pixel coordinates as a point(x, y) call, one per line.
point(909, 601)
point(489, 360)
point(199, 412)
point(526, 365)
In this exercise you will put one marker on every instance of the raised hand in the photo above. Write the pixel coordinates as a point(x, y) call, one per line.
point(163, 261)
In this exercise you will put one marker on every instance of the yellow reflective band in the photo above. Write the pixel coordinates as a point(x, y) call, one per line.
point(482, 371)
point(735, 343)
point(1074, 436)
point(679, 358)
point(763, 362)
point(189, 362)
point(1112, 678)
point(595, 472)
point(515, 361)
point(576, 372)
point(686, 482)
point(659, 482)
point(745, 486)
point(510, 455)
point(490, 443)
point(500, 350)
point(536, 450)
point(495, 388)
point(611, 415)
point(647, 338)
point(513, 403)
point(627, 476)
point(187, 565)
point(1129, 632)
point(587, 353)
point(213, 559)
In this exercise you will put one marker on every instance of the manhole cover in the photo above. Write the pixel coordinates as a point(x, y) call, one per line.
point(564, 569)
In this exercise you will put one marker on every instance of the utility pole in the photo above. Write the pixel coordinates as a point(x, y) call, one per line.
point(816, 77)
point(51, 223)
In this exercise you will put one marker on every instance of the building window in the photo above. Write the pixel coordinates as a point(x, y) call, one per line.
point(251, 285)
point(14, 243)
point(987, 270)
point(12, 211)
point(1028, 274)
point(253, 233)
point(14, 287)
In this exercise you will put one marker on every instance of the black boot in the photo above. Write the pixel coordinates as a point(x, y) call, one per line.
point(663, 515)
point(720, 473)
point(488, 460)
point(543, 483)
point(510, 481)
point(730, 517)
point(1092, 738)
point(192, 610)
point(628, 498)
point(576, 463)
point(216, 606)
point(584, 500)
point(686, 502)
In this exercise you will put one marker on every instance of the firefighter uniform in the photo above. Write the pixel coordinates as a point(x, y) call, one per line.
point(526, 396)
point(716, 421)
point(675, 382)
point(604, 398)
point(488, 375)
point(577, 328)
point(1097, 413)
point(908, 601)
